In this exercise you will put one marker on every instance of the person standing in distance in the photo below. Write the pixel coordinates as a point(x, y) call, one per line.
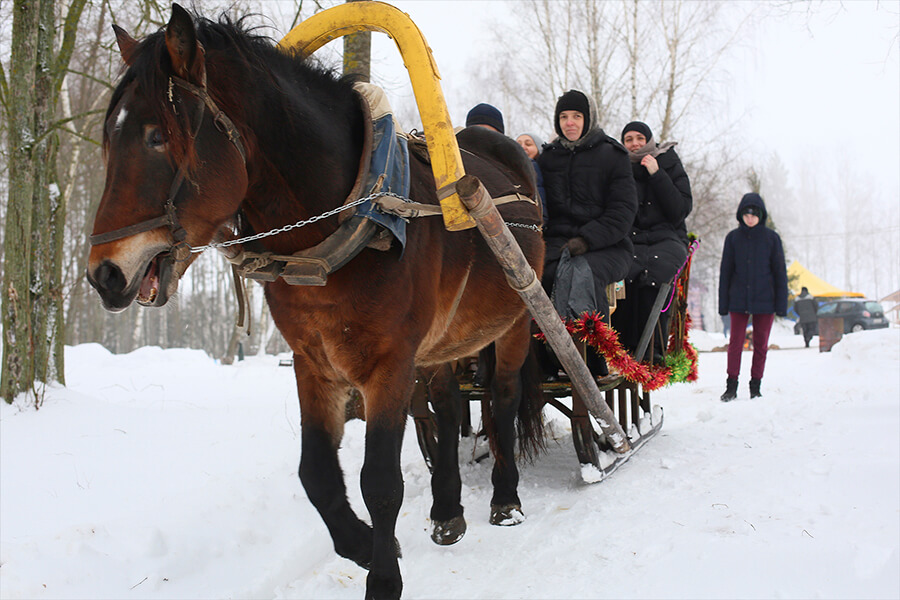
point(807, 313)
point(752, 281)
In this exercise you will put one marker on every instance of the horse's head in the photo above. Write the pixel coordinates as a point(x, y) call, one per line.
point(175, 169)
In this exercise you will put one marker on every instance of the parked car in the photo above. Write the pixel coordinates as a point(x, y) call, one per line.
point(858, 314)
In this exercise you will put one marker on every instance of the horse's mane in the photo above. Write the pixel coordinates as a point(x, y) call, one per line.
point(241, 54)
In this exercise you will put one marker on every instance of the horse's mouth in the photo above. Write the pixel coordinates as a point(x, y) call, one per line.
point(149, 289)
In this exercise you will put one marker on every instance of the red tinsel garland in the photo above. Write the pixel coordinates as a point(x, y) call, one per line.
point(591, 329)
point(689, 349)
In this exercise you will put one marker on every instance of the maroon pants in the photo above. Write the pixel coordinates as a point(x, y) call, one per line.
point(762, 325)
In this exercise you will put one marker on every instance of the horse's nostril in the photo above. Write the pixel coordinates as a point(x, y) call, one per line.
point(109, 277)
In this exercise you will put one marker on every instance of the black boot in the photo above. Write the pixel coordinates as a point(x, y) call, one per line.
point(754, 388)
point(596, 363)
point(730, 390)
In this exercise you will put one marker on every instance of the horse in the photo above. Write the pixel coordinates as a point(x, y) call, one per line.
point(213, 129)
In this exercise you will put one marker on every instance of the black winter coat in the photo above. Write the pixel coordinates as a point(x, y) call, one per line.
point(659, 233)
point(807, 308)
point(752, 275)
point(590, 192)
point(664, 200)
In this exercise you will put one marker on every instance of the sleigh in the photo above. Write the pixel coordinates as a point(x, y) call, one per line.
point(609, 420)
point(628, 397)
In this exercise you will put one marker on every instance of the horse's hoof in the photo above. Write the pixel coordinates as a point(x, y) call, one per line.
point(383, 588)
point(506, 515)
point(445, 533)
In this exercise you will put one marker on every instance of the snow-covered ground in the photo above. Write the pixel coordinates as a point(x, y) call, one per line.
point(161, 474)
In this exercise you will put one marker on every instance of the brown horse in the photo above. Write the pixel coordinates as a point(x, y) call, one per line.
point(212, 127)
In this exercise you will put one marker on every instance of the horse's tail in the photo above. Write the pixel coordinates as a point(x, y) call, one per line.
point(530, 428)
point(529, 416)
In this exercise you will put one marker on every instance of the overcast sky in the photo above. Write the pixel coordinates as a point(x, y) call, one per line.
point(823, 86)
point(830, 90)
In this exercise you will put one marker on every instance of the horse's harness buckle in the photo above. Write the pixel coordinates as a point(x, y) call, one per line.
point(222, 124)
point(180, 252)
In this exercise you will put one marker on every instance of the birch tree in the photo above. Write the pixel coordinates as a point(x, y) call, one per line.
point(32, 299)
point(18, 365)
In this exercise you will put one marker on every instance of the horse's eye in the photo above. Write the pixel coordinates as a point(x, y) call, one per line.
point(154, 138)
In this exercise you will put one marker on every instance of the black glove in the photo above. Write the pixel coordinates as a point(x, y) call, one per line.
point(577, 246)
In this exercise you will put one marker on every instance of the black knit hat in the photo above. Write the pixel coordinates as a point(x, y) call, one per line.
point(755, 201)
point(639, 127)
point(485, 114)
point(572, 100)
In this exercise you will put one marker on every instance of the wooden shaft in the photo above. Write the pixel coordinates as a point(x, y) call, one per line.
point(524, 280)
point(661, 296)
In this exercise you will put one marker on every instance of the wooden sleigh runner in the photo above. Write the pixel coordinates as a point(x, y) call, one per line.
point(627, 399)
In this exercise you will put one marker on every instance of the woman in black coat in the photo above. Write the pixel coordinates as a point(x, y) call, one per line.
point(658, 233)
point(752, 281)
point(590, 198)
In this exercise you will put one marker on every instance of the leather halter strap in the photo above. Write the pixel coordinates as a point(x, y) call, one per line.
point(181, 250)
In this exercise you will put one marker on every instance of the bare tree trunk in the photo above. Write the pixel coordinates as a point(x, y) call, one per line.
point(18, 365)
point(42, 246)
point(32, 314)
point(358, 53)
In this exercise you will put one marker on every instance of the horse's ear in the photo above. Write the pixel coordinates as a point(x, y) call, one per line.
point(127, 44)
point(185, 50)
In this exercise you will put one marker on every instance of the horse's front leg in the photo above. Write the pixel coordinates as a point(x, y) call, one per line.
point(322, 426)
point(448, 523)
point(387, 393)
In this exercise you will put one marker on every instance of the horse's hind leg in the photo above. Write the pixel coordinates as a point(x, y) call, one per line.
point(507, 398)
point(448, 523)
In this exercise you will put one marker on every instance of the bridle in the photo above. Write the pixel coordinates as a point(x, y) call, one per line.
point(181, 250)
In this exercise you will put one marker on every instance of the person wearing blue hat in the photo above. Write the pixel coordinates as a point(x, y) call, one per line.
point(485, 115)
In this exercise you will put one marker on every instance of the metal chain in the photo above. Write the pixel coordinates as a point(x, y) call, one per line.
point(296, 225)
point(325, 215)
point(524, 226)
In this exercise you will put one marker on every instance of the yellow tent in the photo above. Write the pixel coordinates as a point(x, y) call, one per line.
point(799, 276)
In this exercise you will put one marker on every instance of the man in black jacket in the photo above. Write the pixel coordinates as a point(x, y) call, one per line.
point(591, 199)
